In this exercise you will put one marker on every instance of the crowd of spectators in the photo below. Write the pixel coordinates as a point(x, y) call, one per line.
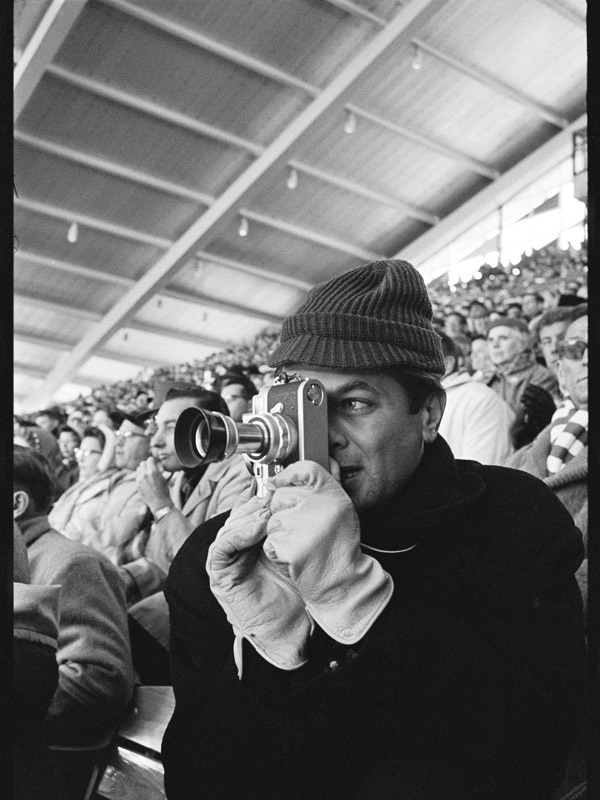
point(102, 473)
point(464, 310)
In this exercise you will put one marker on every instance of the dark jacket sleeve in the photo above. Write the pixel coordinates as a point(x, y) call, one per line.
point(469, 684)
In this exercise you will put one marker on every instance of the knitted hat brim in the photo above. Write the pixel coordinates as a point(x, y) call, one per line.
point(337, 354)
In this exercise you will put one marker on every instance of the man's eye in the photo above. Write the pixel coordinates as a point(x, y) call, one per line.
point(353, 405)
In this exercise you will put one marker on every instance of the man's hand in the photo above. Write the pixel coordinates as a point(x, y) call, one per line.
point(152, 485)
point(313, 535)
point(261, 604)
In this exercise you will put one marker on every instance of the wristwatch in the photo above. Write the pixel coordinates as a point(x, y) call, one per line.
point(162, 512)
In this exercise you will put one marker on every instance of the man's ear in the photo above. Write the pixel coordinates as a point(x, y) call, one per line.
point(433, 412)
point(21, 502)
point(451, 364)
point(560, 375)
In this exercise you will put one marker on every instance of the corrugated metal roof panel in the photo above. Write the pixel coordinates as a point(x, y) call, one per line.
point(209, 280)
point(281, 252)
point(85, 122)
point(39, 233)
point(121, 51)
point(163, 349)
point(198, 320)
point(73, 187)
point(43, 281)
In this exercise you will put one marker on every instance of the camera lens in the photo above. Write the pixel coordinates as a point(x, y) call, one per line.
point(201, 437)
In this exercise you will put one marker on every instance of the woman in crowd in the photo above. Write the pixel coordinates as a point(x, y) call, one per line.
point(77, 512)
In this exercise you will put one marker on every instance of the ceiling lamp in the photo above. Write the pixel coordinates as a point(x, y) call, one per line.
point(73, 233)
point(350, 123)
point(417, 61)
point(243, 227)
point(292, 178)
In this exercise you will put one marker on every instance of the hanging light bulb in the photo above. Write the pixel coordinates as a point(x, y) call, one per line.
point(292, 178)
point(350, 123)
point(73, 233)
point(417, 61)
point(243, 227)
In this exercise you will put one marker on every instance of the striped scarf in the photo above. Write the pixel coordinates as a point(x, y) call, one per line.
point(568, 436)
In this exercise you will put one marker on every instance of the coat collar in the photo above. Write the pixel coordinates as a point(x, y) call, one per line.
point(423, 505)
point(203, 489)
point(33, 528)
point(456, 379)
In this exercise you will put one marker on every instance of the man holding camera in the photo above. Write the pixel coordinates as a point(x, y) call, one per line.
point(404, 626)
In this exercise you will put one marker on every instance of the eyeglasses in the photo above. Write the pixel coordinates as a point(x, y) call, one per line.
point(150, 426)
point(127, 434)
point(79, 453)
point(573, 349)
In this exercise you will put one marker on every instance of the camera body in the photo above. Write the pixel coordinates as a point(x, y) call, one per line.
point(288, 423)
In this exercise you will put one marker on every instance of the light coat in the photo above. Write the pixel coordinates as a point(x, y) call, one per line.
point(476, 421)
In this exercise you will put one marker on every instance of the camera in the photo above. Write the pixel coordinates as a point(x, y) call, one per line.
point(288, 423)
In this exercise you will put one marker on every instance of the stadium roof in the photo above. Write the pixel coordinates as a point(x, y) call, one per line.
point(186, 170)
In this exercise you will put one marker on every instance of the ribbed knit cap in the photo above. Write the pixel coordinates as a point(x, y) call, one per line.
point(375, 316)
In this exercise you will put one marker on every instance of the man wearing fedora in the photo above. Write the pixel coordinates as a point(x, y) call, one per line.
point(405, 625)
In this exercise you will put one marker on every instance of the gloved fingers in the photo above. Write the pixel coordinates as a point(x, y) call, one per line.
point(248, 502)
point(300, 473)
point(334, 468)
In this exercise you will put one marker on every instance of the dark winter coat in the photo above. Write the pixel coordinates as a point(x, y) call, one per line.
point(468, 686)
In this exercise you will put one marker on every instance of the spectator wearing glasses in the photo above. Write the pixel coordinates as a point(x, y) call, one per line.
point(559, 454)
point(76, 513)
point(109, 514)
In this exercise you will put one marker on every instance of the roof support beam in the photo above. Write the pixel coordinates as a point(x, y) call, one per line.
point(42, 47)
point(259, 272)
point(566, 11)
point(470, 163)
point(56, 344)
point(143, 179)
point(180, 336)
point(73, 269)
point(120, 280)
point(41, 341)
point(406, 208)
point(358, 11)
point(490, 199)
point(220, 305)
point(493, 83)
point(153, 109)
point(109, 167)
point(402, 28)
point(310, 236)
point(212, 46)
point(29, 371)
point(52, 307)
point(91, 222)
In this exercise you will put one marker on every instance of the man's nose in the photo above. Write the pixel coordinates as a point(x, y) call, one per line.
point(157, 440)
point(337, 438)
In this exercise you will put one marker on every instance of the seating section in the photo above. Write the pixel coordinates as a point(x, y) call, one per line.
point(134, 769)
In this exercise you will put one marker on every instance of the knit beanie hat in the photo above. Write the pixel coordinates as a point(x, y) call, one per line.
point(375, 316)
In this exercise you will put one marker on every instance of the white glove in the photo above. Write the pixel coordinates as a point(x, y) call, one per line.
point(261, 604)
point(313, 535)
